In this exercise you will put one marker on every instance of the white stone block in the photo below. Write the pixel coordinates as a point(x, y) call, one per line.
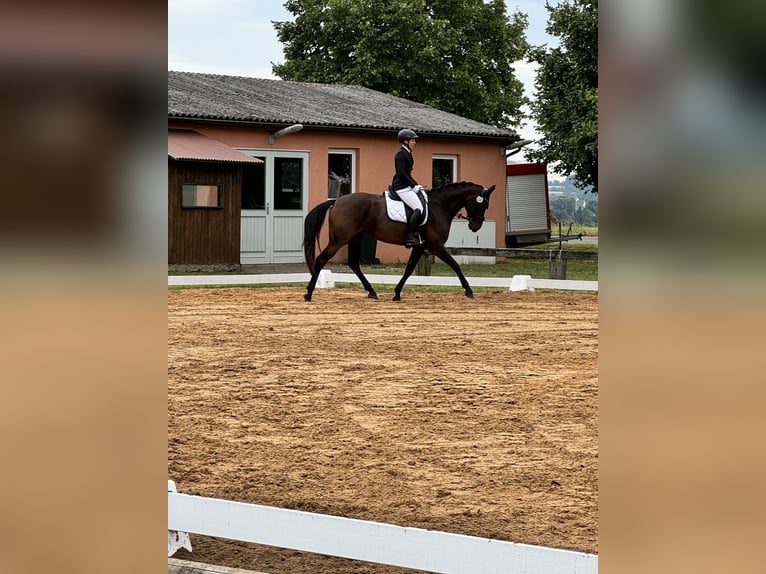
point(520, 283)
point(325, 280)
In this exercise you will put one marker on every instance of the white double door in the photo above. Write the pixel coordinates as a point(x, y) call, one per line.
point(274, 205)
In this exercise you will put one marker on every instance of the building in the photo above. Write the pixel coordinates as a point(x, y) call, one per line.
point(249, 157)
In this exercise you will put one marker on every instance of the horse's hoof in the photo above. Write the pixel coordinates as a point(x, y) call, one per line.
point(396, 298)
point(469, 294)
point(372, 295)
point(307, 297)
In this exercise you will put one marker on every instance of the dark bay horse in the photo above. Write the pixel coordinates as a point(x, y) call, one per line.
point(351, 216)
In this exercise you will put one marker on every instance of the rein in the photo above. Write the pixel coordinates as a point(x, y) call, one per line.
point(461, 216)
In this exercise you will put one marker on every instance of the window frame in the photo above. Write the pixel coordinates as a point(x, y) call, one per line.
point(445, 157)
point(219, 195)
point(342, 151)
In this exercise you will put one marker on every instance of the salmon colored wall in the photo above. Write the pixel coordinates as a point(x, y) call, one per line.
point(478, 162)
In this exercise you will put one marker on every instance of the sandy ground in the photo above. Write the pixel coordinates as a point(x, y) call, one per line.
point(477, 417)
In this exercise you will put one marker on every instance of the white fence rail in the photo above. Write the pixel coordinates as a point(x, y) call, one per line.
point(414, 548)
point(328, 279)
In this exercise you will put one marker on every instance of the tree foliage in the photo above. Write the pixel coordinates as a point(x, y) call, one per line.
point(453, 55)
point(566, 103)
point(569, 209)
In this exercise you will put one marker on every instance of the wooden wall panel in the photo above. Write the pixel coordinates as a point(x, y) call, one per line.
point(204, 236)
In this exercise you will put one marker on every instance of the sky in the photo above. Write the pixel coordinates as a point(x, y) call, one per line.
point(236, 37)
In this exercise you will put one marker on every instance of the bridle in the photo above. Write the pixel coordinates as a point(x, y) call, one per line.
point(477, 219)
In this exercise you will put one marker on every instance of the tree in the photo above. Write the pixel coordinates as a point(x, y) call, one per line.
point(587, 213)
point(567, 208)
point(454, 55)
point(566, 104)
point(563, 208)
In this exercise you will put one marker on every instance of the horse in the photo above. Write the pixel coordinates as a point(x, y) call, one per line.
point(351, 216)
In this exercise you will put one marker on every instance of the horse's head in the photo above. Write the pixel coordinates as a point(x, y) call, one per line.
point(476, 205)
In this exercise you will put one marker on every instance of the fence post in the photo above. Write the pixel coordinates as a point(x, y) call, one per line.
point(424, 264)
point(558, 267)
point(177, 540)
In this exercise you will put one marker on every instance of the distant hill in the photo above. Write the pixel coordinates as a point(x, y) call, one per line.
point(570, 203)
point(567, 186)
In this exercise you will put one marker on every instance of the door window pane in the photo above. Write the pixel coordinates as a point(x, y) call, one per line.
point(288, 178)
point(254, 186)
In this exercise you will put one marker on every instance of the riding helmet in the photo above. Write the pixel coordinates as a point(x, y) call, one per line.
point(407, 134)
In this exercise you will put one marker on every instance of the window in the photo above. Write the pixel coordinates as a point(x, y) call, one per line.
point(340, 173)
point(288, 183)
point(444, 170)
point(196, 195)
point(254, 186)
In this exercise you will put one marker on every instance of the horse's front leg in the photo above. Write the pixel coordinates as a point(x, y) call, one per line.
point(442, 254)
point(415, 256)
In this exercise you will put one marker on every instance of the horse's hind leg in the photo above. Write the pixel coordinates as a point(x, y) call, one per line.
point(321, 260)
point(354, 254)
point(417, 253)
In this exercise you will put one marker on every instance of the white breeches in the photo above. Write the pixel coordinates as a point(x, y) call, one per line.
point(409, 197)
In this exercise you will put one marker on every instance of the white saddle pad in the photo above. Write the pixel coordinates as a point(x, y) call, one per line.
point(396, 209)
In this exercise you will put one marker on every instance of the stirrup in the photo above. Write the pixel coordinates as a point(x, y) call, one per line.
point(413, 240)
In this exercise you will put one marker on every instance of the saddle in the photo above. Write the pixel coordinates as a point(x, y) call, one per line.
point(400, 211)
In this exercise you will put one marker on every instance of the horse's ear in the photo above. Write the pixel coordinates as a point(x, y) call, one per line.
point(486, 193)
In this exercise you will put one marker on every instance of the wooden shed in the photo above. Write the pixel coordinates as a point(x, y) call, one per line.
point(204, 200)
point(274, 149)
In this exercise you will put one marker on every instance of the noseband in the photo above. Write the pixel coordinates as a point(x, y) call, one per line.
point(480, 219)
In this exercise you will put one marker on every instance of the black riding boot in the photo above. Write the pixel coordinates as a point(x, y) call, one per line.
point(413, 237)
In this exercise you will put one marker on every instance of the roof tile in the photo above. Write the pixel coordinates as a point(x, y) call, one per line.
point(264, 101)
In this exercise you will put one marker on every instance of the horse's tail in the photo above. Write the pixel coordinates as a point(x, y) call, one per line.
point(311, 228)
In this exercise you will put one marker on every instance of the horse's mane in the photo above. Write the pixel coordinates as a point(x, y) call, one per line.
point(451, 186)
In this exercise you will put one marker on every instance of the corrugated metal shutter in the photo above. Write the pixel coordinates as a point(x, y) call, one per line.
point(525, 203)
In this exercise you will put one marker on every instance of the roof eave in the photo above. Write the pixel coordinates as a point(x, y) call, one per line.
point(271, 125)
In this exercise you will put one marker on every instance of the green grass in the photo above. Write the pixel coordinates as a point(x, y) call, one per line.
point(576, 228)
point(536, 268)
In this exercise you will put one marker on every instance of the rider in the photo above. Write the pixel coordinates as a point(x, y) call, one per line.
point(406, 186)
